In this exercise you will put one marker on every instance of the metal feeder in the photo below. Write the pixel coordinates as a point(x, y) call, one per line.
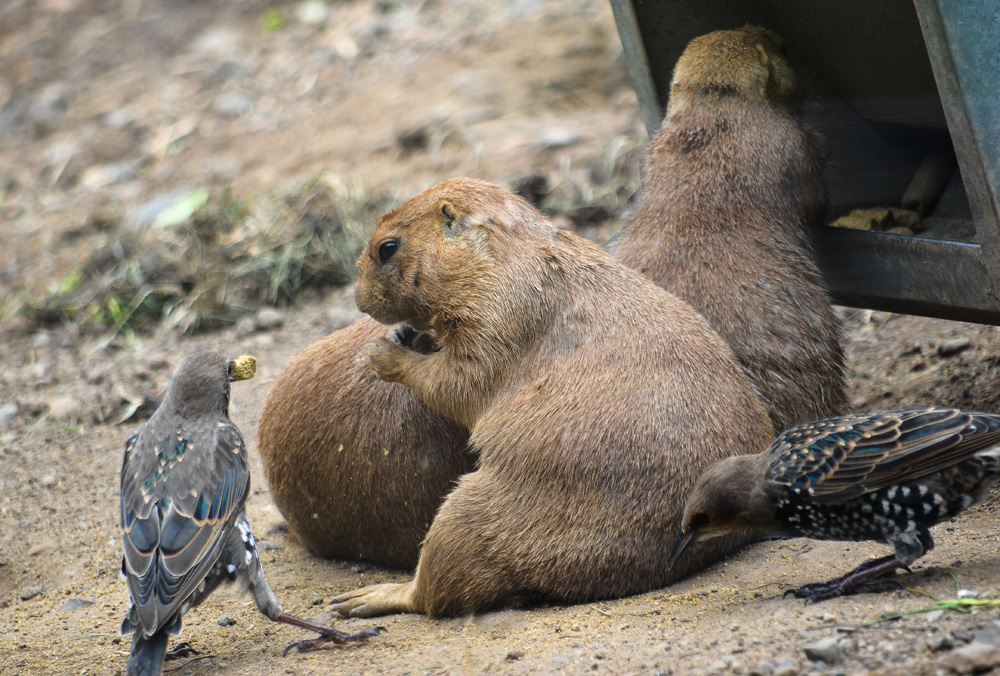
point(895, 86)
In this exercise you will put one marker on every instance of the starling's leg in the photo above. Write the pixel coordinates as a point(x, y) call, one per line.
point(327, 634)
point(242, 550)
point(863, 578)
point(180, 650)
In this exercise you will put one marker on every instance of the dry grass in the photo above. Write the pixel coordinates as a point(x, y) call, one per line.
point(607, 188)
point(230, 257)
point(223, 262)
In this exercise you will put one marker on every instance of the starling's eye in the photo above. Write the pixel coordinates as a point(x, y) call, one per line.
point(386, 250)
point(699, 520)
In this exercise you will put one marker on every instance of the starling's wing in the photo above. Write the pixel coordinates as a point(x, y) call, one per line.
point(842, 458)
point(182, 485)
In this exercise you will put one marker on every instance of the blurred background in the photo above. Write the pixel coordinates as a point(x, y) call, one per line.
point(172, 163)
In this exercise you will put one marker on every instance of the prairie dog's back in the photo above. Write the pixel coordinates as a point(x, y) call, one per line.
point(733, 187)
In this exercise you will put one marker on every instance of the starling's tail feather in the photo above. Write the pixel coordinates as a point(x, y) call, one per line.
point(146, 657)
point(991, 459)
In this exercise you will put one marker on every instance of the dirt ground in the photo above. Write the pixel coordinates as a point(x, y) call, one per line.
point(107, 104)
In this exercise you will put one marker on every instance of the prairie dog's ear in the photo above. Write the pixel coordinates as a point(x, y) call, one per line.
point(781, 77)
point(454, 220)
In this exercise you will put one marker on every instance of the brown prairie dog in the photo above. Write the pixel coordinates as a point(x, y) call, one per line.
point(593, 397)
point(358, 467)
point(733, 185)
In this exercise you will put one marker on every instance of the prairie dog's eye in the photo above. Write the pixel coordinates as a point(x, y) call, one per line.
point(386, 250)
point(700, 520)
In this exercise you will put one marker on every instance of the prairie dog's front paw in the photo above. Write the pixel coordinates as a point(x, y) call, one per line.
point(411, 338)
point(387, 358)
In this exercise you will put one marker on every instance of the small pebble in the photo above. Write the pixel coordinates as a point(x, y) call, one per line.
point(974, 658)
point(990, 634)
point(933, 616)
point(786, 667)
point(226, 621)
point(103, 175)
point(76, 604)
point(118, 119)
point(268, 318)
point(231, 105)
point(31, 592)
point(41, 548)
point(312, 12)
point(48, 107)
point(65, 408)
point(217, 41)
point(514, 655)
point(953, 346)
point(945, 642)
point(245, 327)
point(557, 138)
point(7, 412)
point(962, 635)
point(49, 481)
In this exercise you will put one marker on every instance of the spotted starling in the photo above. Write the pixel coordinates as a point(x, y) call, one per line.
point(184, 483)
point(886, 477)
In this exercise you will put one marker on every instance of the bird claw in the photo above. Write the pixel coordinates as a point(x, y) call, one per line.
point(301, 646)
point(179, 651)
point(333, 636)
point(870, 577)
point(822, 591)
point(818, 591)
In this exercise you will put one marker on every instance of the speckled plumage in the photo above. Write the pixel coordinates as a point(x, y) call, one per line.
point(184, 482)
point(886, 477)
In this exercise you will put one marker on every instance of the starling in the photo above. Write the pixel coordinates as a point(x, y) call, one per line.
point(885, 476)
point(184, 482)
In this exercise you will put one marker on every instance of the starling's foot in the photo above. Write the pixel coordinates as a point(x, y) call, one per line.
point(869, 577)
point(821, 591)
point(333, 636)
point(327, 634)
point(180, 650)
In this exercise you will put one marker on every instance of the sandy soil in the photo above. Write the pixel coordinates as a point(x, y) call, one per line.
point(106, 104)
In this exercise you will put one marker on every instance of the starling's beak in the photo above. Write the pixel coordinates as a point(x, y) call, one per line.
point(242, 368)
point(680, 544)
